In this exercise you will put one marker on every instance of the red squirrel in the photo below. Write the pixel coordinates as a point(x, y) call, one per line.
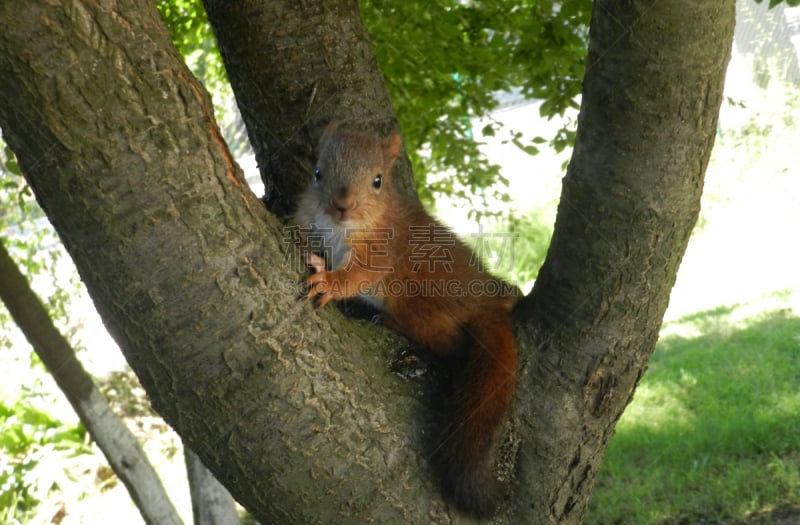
point(386, 249)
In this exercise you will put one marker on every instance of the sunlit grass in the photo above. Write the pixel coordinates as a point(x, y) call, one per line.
point(713, 432)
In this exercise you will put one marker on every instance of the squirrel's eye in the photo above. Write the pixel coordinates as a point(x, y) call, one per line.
point(317, 174)
point(376, 182)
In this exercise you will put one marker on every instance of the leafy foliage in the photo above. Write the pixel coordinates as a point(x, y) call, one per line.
point(446, 62)
point(773, 3)
point(13, 187)
point(32, 441)
point(192, 35)
point(515, 249)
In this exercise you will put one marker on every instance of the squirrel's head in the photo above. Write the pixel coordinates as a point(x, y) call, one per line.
point(353, 174)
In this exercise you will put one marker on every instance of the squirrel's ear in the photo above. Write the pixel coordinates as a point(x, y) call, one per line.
point(331, 127)
point(391, 147)
point(327, 133)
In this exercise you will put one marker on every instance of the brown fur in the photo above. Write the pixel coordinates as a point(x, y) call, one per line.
point(380, 243)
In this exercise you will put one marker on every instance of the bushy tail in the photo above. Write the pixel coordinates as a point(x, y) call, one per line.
point(478, 405)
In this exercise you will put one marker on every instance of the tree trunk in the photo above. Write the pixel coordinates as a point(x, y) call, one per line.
point(119, 445)
point(294, 67)
point(212, 504)
point(295, 411)
point(651, 98)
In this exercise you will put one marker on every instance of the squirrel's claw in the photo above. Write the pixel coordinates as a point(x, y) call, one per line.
point(315, 262)
point(317, 288)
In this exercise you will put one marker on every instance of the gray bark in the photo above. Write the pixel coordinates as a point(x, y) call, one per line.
point(631, 196)
point(212, 504)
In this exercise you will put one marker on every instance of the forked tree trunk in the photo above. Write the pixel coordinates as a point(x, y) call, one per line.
point(296, 411)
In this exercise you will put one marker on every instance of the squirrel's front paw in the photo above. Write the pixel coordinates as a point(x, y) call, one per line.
point(315, 261)
point(317, 285)
point(325, 286)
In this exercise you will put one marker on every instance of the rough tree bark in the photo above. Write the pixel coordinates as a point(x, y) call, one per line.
point(295, 411)
point(651, 98)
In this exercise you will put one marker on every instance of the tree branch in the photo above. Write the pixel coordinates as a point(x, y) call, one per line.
point(212, 504)
point(631, 196)
point(293, 410)
point(118, 444)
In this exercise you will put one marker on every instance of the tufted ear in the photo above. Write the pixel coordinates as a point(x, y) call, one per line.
point(331, 127)
point(391, 148)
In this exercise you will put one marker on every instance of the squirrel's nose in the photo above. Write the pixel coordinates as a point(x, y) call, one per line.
point(345, 203)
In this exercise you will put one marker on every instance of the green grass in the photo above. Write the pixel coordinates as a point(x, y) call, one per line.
point(713, 432)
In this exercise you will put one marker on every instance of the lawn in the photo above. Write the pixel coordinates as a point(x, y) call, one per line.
point(713, 432)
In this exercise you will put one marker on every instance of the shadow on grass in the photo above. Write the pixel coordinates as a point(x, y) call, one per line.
point(713, 432)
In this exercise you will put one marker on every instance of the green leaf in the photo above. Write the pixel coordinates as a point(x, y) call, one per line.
point(444, 61)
